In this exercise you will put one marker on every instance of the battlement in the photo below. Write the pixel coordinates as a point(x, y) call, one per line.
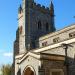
point(41, 8)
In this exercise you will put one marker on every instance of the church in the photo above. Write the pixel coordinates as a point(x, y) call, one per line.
point(39, 49)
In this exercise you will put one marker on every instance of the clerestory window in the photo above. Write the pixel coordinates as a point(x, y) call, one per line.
point(55, 40)
point(44, 43)
point(72, 35)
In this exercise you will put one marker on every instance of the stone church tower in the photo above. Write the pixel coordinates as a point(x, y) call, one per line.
point(34, 21)
point(38, 48)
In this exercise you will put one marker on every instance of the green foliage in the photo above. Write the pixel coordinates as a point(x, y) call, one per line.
point(6, 69)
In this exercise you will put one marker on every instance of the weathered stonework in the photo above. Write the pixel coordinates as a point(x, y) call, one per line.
point(37, 48)
point(28, 18)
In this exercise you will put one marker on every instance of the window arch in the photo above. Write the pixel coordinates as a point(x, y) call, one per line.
point(47, 27)
point(39, 25)
point(29, 70)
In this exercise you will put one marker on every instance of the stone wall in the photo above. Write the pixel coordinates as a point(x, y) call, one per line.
point(57, 66)
point(33, 13)
point(30, 62)
point(58, 36)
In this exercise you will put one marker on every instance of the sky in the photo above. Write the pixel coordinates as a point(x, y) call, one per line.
point(64, 16)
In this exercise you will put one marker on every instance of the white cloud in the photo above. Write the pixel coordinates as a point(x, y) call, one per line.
point(9, 54)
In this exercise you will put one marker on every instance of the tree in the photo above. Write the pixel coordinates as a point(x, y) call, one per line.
point(6, 69)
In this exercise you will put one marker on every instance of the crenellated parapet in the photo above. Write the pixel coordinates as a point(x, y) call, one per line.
point(41, 8)
point(34, 18)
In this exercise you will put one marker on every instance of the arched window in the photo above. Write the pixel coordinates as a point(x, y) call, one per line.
point(56, 40)
point(39, 25)
point(47, 27)
point(20, 29)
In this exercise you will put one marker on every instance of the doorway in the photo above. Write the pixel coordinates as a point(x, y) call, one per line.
point(28, 71)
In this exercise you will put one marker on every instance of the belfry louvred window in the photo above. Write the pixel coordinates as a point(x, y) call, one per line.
point(47, 27)
point(39, 25)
